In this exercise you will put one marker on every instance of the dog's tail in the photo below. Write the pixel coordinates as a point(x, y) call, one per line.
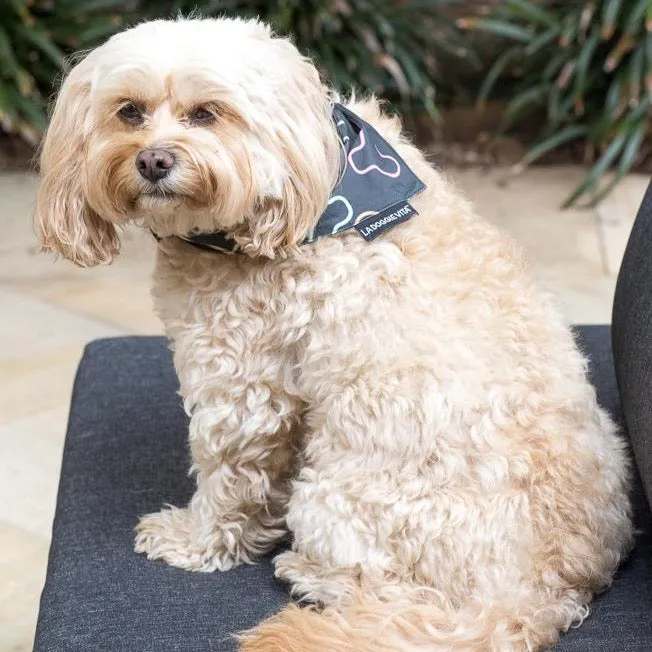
point(413, 627)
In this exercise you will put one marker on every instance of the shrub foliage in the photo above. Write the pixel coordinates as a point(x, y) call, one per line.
point(389, 48)
point(588, 66)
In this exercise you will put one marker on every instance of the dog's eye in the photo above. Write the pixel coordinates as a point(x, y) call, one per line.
point(201, 116)
point(131, 113)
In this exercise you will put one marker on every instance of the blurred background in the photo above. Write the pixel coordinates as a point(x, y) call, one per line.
point(538, 109)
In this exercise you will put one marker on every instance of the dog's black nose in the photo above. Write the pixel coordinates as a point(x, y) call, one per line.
point(154, 164)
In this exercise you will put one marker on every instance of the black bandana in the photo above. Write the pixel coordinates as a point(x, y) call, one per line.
point(372, 193)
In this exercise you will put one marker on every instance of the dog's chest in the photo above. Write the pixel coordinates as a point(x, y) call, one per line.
point(330, 292)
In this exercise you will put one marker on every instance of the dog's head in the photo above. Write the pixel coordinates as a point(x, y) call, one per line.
point(187, 126)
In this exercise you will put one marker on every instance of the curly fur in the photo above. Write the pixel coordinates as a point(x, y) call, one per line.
point(413, 410)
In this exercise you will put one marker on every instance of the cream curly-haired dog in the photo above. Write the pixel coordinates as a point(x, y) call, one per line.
point(411, 408)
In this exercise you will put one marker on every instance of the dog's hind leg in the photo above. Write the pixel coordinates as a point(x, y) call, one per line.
point(313, 581)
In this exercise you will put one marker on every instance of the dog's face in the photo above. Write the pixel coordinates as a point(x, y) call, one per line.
point(195, 125)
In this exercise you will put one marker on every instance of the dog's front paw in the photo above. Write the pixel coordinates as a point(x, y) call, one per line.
point(174, 536)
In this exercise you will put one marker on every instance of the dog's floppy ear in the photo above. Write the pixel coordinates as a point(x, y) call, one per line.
point(304, 148)
point(64, 221)
point(281, 222)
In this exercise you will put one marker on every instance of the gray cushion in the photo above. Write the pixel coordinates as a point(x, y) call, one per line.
point(632, 338)
point(126, 455)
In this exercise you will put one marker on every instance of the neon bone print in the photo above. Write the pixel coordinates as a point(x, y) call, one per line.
point(373, 179)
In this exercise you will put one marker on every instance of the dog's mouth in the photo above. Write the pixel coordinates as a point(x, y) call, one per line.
point(156, 195)
point(159, 193)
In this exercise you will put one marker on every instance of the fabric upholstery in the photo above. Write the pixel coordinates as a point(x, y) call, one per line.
point(632, 339)
point(126, 455)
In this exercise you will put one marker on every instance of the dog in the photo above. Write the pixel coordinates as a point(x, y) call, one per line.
point(398, 396)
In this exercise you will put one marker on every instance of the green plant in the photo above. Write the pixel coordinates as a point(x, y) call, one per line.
point(388, 47)
point(34, 36)
point(29, 58)
point(588, 65)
